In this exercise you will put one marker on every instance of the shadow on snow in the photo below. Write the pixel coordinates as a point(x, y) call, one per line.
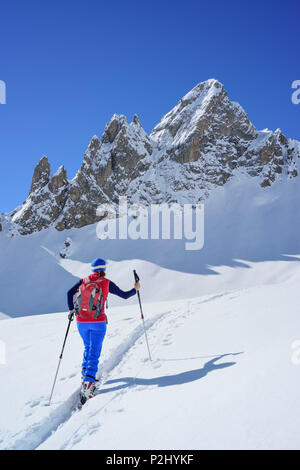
point(170, 380)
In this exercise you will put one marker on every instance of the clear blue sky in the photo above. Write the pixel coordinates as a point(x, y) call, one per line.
point(69, 65)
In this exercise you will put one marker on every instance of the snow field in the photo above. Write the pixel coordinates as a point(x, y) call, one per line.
point(221, 376)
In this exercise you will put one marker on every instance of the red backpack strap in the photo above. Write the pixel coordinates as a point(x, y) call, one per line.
point(98, 300)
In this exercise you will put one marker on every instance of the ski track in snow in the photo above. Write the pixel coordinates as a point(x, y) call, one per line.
point(178, 316)
point(40, 432)
point(235, 321)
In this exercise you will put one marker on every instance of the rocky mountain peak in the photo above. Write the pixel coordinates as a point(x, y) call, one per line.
point(136, 120)
point(204, 90)
point(41, 175)
point(202, 115)
point(58, 180)
point(113, 127)
point(205, 140)
point(92, 150)
point(94, 143)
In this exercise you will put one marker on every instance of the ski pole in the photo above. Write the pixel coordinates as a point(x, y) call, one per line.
point(71, 317)
point(136, 278)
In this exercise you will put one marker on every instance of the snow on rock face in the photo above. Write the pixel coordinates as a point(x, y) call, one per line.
point(108, 168)
point(41, 175)
point(46, 198)
point(202, 116)
point(200, 144)
point(213, 136)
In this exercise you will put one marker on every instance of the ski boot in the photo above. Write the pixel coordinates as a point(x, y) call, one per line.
point(87, 391)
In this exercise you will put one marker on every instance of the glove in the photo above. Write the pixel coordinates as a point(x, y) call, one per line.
point(71, 315)
point(137, 285)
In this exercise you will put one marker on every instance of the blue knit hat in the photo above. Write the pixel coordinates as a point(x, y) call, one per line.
point(98, 264)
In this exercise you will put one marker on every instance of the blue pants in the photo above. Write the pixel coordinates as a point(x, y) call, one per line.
point(93, 336)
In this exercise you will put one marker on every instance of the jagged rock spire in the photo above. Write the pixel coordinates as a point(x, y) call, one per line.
point(136, 120)
point(113, 127)
point(41, 175)
point(58, 180)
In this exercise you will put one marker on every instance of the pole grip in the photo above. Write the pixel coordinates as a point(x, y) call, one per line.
point(136, 278)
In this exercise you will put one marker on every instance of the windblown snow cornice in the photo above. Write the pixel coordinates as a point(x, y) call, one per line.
point(200, 144)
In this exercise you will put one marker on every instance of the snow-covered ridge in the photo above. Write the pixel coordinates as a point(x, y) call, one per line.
point(199, 145)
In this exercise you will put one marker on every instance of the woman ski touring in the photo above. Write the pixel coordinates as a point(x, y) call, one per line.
point(89, 310)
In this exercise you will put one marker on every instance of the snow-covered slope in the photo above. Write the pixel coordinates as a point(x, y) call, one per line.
point(223, 367)
point(244, 225)
point(2, 316)
point(222, 332)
